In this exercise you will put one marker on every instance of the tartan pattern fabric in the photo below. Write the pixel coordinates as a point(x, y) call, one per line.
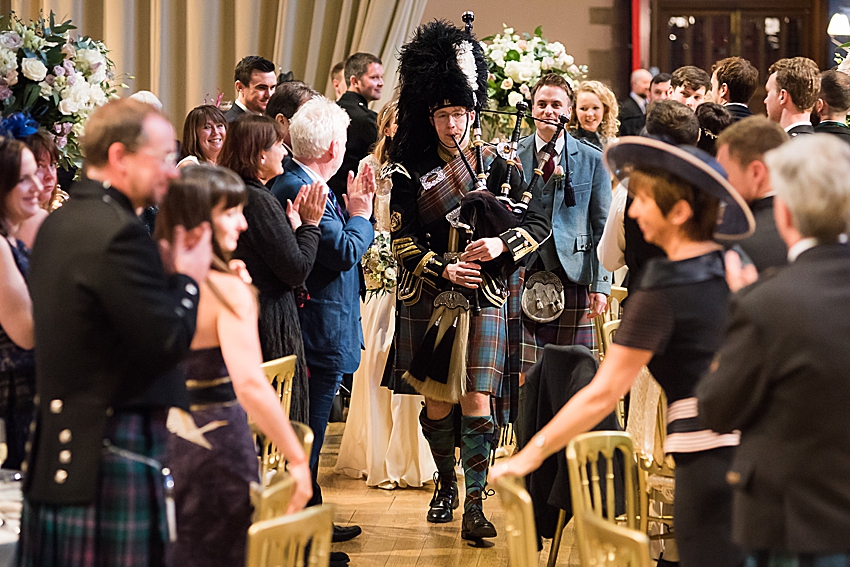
point(445, 195)
point(487, 344)
point(440, 434)
point(124, 527)
point(476, 436)
point(573, 327)
point(783, 559)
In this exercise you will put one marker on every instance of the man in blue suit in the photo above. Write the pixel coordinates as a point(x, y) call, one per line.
point(330, 318)
point(575, 190)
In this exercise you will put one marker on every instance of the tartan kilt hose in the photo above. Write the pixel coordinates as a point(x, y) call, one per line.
point(125, 526)
point(573, 327)
point(487, 350)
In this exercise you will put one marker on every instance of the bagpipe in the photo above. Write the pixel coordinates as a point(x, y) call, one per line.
point(438, 368)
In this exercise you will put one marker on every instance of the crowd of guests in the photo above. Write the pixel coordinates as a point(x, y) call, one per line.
point(136, 356)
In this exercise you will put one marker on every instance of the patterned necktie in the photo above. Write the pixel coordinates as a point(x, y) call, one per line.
point(548, 169)
point(335, 203)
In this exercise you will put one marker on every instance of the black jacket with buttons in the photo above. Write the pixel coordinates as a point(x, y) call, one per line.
point(362, 135)
point(110, 326)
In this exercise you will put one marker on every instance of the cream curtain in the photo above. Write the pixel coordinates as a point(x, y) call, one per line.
point(185, 50)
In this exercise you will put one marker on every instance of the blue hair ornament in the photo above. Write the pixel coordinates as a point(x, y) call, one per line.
point(18, 126)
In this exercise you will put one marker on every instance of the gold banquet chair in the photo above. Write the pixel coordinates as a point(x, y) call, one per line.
point(519, 522)
point(280, 373)
point(614, 546)
point(284, 541)
point(585, 452)
point(273, 460)
point(612, 313)
point(273, 500)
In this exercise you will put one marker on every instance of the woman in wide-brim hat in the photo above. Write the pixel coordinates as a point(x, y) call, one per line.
point(673, 324)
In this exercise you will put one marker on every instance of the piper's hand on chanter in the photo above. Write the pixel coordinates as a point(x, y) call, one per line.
point(303, 486)
point(598, 304)
point(466, 274)
point(484, 250)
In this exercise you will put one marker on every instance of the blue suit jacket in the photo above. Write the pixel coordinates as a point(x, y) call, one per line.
point(330, 320)
point(577, 230)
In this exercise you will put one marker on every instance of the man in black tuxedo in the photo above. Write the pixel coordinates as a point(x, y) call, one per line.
point(255, 82)
point(781, 375)
point(830, 113)
point(733, 82)
point(633, 109)
point(792, 91)
point(740, 150)
point(111, 324)
point(364, 74)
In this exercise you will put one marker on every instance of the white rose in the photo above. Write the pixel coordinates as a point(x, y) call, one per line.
point(512, 70)
point(568, 60)
point(389, 273)
point(507, 84)
point(547, 63)
point(68, 107)
point(573, 70)
point(509, 31)
point(557, 48)
point(46, 90)
point(33, 69)
point(514, 97)
point(98, 97)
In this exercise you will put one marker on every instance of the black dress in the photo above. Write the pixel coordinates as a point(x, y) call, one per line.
point(679, 313)
point(212, 486)
point(279, 261)
point(17, 381)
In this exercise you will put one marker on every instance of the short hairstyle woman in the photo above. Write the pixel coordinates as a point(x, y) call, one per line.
point(196, 120)
point(247, 138)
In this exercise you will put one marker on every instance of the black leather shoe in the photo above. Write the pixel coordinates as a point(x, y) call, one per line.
point(345, 533)
point(338, 559)
point(444, 501)
point(475, 525)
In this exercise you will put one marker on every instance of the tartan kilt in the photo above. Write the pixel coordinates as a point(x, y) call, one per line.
point(573, 327)
point(487, 351)
point(125, 526)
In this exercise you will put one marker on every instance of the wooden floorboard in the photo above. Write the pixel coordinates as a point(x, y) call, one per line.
point(395, 533)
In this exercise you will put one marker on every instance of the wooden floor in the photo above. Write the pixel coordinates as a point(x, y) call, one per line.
point(395, 532)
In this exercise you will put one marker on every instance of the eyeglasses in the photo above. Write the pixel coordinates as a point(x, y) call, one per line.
point(169, 158)
point(456, 116)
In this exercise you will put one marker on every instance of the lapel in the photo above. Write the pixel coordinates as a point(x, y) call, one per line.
point(525, 152)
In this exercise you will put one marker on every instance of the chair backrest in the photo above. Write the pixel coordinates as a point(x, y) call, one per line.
point(584, 454)
point(280, 373)
point(615, 301)
point(274, 499)
point(614, 546)
point(283, 541)
point(519, 521)
point(612, 313)
point(305, 436)
point(609, 329)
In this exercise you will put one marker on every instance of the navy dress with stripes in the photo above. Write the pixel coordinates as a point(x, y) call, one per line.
point(679, 313)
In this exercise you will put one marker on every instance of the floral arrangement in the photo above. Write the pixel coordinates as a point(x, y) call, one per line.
point(56, 80)
point(379, 266)
point(515, 63)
